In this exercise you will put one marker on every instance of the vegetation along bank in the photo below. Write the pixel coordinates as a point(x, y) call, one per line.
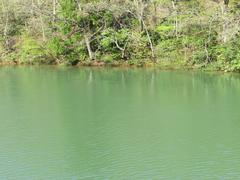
point(168, 33)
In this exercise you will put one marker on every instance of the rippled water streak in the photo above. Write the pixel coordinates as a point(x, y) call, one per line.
point(65, 123)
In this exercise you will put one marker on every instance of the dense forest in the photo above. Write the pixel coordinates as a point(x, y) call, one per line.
point(194, 33)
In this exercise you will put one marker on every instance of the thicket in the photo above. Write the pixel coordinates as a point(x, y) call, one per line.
point(203, 33)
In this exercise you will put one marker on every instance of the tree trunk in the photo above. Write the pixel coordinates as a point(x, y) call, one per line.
point(54, 9)
point(155, 13)
point(176, 18)
point(79, 5)
point(42, 24)
point(225, 20)
point(87, 42)
point(5, 31)
point(32, 7)
point(149, 39)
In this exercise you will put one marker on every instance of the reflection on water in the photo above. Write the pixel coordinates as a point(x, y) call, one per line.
point(118, 124)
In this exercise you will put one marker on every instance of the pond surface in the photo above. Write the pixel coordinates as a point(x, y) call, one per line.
point(66, 123)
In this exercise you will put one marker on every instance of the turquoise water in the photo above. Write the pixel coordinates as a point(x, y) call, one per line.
point(93, 123)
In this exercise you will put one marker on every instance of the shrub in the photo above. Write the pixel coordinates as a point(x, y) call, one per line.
point(30, 50)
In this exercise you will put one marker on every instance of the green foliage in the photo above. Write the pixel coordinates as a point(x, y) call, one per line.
point(29, 50)
point(229, 53)
point(169, 49)
point(56, 47)
point(107, 40)
point(165, 31)
point(68, 9)
point(186, 31)
point(108, 58)
point(1, 48)
point(110, 36)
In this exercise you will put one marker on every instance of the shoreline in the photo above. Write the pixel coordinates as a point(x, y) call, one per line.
point(126, 64)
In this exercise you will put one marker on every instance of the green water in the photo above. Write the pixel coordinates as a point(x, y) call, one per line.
point(65, 123)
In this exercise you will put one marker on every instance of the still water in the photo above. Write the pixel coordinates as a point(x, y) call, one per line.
point(103, 124)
